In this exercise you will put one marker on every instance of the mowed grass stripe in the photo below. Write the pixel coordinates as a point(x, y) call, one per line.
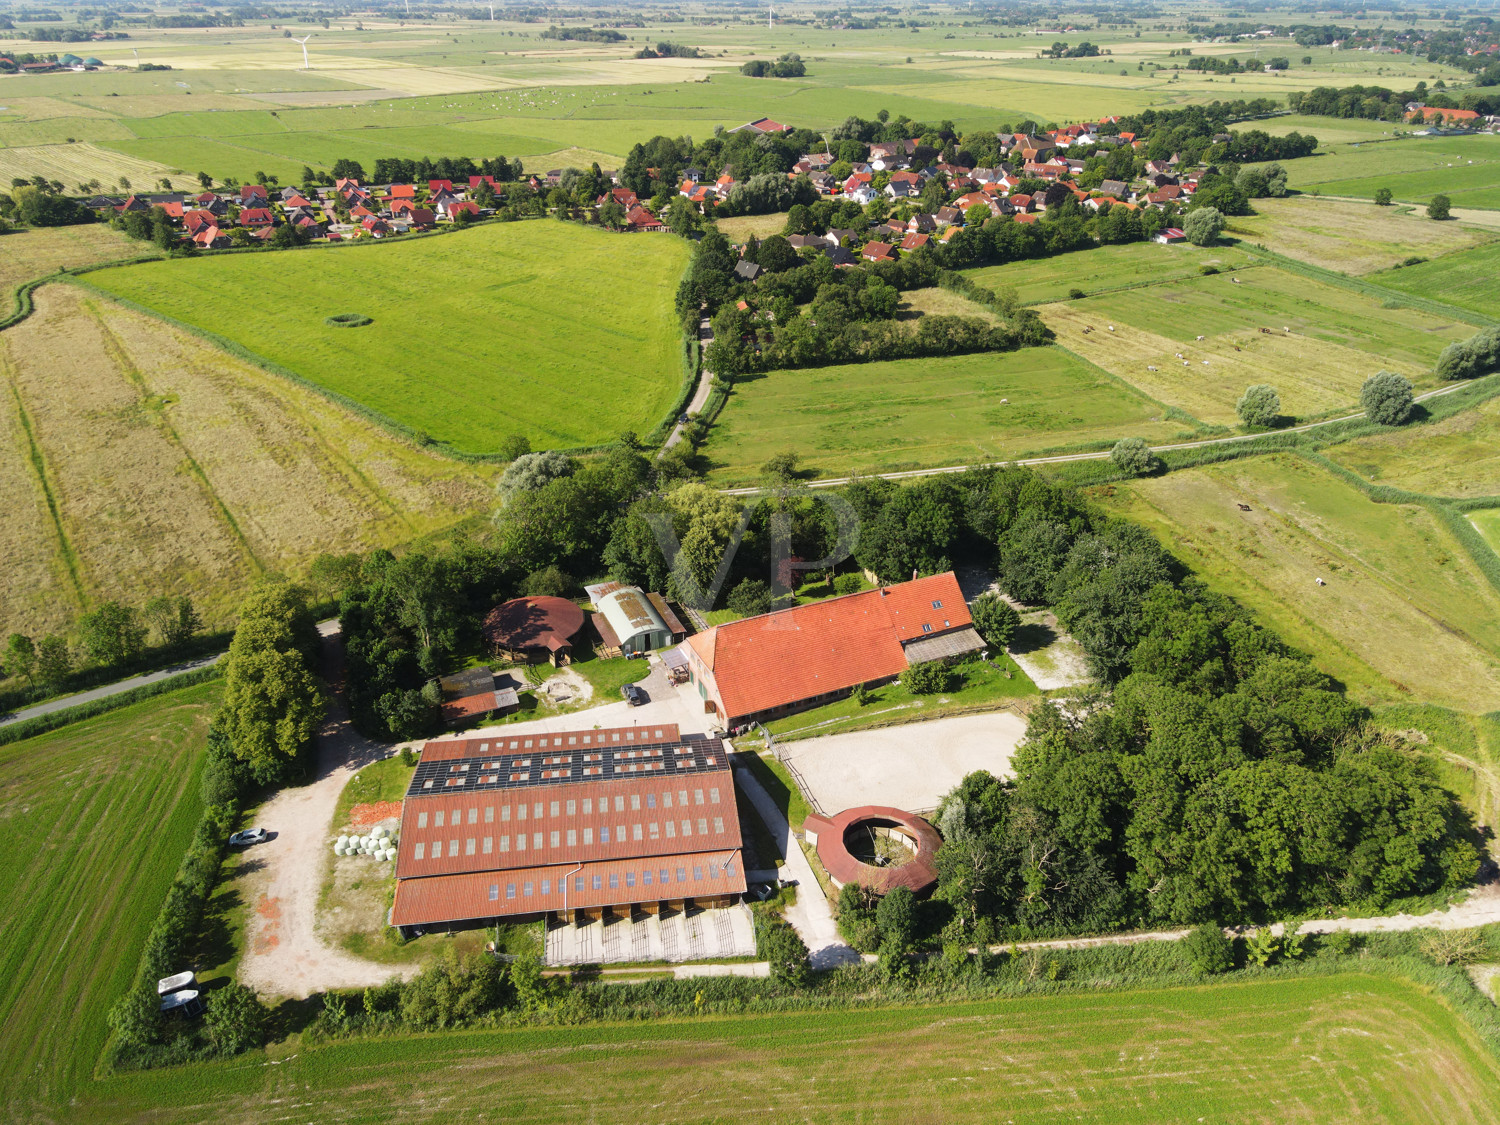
point(1467, 279)
point(1341, 1047)
point(97, 817)
point(554, 331)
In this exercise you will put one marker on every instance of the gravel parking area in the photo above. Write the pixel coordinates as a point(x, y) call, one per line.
point(907, 767)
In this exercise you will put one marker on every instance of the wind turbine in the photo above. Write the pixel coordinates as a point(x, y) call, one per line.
point(492, 13)
point(770, 16)
point(305, 64)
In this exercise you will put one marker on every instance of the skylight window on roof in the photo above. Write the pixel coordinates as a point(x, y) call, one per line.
point(461, 767)
point(453, 782)
point(427, 784)
point(926, 628)
point(937, 605)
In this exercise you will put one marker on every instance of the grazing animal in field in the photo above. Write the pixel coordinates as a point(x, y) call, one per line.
point(1265, 331)
point(1284, 328)
point(1150, 368)
point(1320, 582)
point(1244, 507)
point(1111, 327)
point(1200, 337)
point(1177, 354)
point(1185, 363)
point(1235, 280)
point(1205, 363)
point(1004, 401)
point(1236, 347)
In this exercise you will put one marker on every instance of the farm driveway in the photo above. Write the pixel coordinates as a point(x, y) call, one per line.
point(705, 384)
point(283, 954)
point(810, 915)
point(908, 767)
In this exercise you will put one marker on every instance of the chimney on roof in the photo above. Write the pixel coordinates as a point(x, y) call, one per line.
point(882, 591)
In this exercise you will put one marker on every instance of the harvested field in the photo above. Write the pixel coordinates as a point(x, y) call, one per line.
point(1337, 339)
point(75, 163)
point(1404, 612)
point(178, 469)
point(1121, 266)
point(1465, 279)
point(1459, 456)
point(739, 228)
point(32, 252)
point(1354, 238)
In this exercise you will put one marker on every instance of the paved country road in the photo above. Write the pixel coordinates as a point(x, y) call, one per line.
point(705, 384)
point(912, 474)
point(107, 690)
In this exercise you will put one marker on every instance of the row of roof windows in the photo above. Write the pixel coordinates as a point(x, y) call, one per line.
point(486, 845)
point(537, 809)
point(519, 773)
point(661, 876)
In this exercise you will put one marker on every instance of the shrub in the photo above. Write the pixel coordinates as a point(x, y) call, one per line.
point(1262, 946)
point(1209, 950)
point(750, 598)
point(1132, 455)
point(1383, 197)
point(408, 756)
point(995, 619)
point(516, 445)
point(1387, 398)
point(1260, 405)
point(531, 472)
point(1076, 294)
point(928, 678)
point(1439, 207)
point(347, 320)
point(1453, 947)
point(896, 915)
point(1468, 359)
point(1340, 941)
point(1208, 271)
point(848, 584)
point(236, 1020)
point(549, 582)
point(779, 944)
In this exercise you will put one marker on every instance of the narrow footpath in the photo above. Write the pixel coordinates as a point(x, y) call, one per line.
point(705, 384)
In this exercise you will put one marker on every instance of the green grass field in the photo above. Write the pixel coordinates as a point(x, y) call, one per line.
point(97, 817)
point(1488, 524)
point(1405, 613)
point(1466, 169)
point(1466, 279)
point(924, 412)
point(1105, 268)
point(1459, 456)
point(1349, 1047)
point(1337, 339)
point(551, 330)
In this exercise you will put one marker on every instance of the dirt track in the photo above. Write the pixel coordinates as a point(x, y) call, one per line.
point(283, 954)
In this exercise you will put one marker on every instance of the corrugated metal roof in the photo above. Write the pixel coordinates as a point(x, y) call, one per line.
point(456, 898)
point(590, 821)
point(630, 613)
point(944, 646)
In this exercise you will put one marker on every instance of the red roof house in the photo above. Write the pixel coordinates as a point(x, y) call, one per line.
point(781, 662)
point(256, 217)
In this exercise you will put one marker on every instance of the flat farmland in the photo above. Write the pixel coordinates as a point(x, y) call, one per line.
point(557, 332)
point(1351, 1047)
point(1405, 613)
point(97, 817)
point(31, 252)
point(1458, 457)
point(1103, 268)
point(73, 164)
point(1467, 279)
point(1466, 169)
point(1354, 238)
point(913, 413)
point(1487, 522)
point(138, 459)
point(1337, 339)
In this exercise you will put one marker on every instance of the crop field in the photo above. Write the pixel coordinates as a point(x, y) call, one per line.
point(1337, 339)
point(1458, 457)
point(912, 413)
point(554, 331)
point(138, 459)
point(937, 301)
point(738, 228)
point(1405, 613)
point(1487, 522)
point(1466, 169)
point(1466, 279)
point(97, 817)
point(1353, 238)
point(1106, 268)
point(73, 164)
point(31, 252)
point(1349, 1047)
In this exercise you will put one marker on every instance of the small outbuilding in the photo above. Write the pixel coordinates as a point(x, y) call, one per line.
point(534, 629)
point(1170, 236)
point(630, 620)
point(474, 692)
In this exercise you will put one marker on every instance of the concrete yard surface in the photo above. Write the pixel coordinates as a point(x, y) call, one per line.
point(908, 767)
point(698, 935)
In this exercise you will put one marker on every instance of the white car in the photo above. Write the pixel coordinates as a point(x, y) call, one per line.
point(247, 837)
